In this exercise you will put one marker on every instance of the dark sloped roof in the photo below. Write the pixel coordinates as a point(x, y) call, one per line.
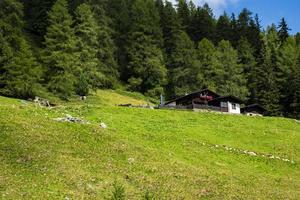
point(254, 106)
point(227, 98)
point(191, 94)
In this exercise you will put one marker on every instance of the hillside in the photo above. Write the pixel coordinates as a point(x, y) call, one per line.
point(163, 153)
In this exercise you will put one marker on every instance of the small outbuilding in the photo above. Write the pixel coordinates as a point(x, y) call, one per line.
point(230, 104)
point(253, 110)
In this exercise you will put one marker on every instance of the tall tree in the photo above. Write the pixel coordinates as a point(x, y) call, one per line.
point(268, 72)
point(36, 15)
point(146, 67)
point(86, 30)
point(283, 31)
point(230, 77)
point(202, 24)
point(223, 28)
point(184, 13)
point(184, 73)
point(294, 91)
point(20, 73)
point(287, 62)
point(119, 12)
point(60, 43)
point(208, 63)
point(106, 47)
point(248, 63)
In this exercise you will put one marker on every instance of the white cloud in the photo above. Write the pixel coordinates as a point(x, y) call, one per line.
point(218, 6)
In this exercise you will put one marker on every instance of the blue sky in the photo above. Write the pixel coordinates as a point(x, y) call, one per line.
point(269, 11)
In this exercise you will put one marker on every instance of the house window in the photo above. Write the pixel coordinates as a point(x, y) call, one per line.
point(224, 105)
point(233, 106)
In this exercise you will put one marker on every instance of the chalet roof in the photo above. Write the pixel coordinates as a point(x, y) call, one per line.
point(191, 94)
point(253, 106)
point(227, 98)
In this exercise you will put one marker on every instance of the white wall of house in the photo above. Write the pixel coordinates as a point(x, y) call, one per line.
point(234, 108)
point(172, 103)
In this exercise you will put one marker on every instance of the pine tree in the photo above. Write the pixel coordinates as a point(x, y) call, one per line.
point(184, 13)
point(243, 23)
point(268, 73)
point(20, 73)
point(283, 31)
point(170, 25)
point(294, 91)
point(119, 12)
point(184, 74)
point(36, 16)
point(286, 59)
point(230, 78)
point(146, 64)
point(59, 57)
point(202, 24)
point(106, 48)
point(297, 38)
point(248, 63)
point(208, 63)
point(223, 28)
point(86, 31)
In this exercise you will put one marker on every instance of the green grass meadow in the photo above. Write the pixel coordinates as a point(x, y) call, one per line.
point(146, 151)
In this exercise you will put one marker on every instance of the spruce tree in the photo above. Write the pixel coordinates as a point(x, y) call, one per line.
point(268, 74)
point(59, 54)
point(184, 13)
point(184, 73)
point(202, 24)
point(146, 67)
point(208, 63)
point(283, 31)
point(230, 78)
point(119, 12)
point(223, 28)
point(20, 73)
point(294, 91)
point(106, 47)
point(86, 31)
point(36, 16)
point(248, 63)
point(243, 23)
point(287, 61)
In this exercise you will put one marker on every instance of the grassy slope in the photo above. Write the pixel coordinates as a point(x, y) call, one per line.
point(144, 150)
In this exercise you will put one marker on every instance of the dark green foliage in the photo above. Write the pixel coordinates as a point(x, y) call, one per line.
point(20, 73)
point(208, 63)
point(224, 29)
point(287, 62)
point(294, 91)
point(105, 48)
point(248, 64)
point(202, 24)
point(59, 54)
point(268, 74)
point(283, 30)
point(151, 46)
point(146, 69)
point(230, 78)
point(184, 13)
point(119, 12)
point(183, 74)
point(36, 15)
point(86, 30)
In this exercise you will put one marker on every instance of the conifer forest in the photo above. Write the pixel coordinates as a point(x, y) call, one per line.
point(65, 48)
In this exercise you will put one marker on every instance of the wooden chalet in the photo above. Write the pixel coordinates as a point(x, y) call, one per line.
point(206, 99)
